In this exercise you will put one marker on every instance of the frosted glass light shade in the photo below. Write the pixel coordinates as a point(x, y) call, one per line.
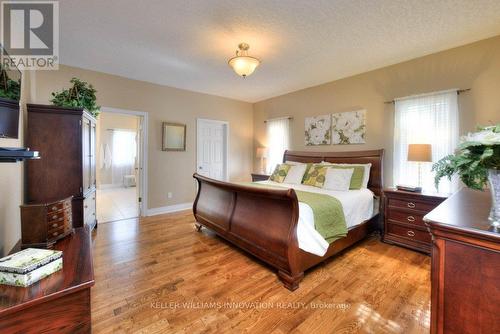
point(244, 65)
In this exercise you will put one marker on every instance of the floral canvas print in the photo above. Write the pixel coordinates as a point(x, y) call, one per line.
point(349, 127)
point(318, 130)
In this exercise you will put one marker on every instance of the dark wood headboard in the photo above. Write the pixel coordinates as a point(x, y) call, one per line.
point(375, 157)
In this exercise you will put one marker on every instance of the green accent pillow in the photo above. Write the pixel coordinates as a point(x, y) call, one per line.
point(308, 168)
point(357, 175)
point(280, 173)
point(316, 176)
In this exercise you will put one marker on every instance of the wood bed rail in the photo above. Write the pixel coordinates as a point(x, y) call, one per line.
point(262, 221)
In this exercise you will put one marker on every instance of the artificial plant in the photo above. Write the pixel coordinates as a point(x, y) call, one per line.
point(9, 89)
point(81, 94)
point(477, 153)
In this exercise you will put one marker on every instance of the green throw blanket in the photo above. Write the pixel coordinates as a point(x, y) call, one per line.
point(329, 218)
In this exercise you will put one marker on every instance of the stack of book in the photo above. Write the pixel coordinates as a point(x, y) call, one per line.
point(29, 266)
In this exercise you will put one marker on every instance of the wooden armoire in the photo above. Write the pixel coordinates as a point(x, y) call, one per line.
point(65, 138)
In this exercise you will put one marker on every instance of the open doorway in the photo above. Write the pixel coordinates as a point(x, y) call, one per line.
point(120, 162)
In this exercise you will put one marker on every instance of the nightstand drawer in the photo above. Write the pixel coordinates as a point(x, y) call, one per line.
point(408, 233)
point(425, 207)
point(406, 217)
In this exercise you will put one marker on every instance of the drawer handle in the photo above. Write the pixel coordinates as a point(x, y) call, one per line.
point(410, 233)
point(410, 218)
point(54, 208)
point(411, 205)
point(54, 225)
point(86, 206)
point(54, 216)
point(55, 234)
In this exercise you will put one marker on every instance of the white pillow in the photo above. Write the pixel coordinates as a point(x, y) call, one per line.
point(295, 174)
point(338, 179)
point(366, 175)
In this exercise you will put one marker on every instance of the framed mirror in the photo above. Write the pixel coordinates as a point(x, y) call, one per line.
point(173, 136)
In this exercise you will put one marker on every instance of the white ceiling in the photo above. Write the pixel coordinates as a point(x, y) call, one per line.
point(186, 43)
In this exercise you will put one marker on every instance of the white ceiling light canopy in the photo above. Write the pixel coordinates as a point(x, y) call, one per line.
point(243, 64)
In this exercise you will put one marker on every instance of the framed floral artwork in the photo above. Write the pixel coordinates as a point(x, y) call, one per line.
point(349, 127)
point(318, 130)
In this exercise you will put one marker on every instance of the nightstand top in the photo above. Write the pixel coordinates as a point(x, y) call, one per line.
point(417, 194)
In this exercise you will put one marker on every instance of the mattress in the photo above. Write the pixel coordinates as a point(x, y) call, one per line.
point(358, 205)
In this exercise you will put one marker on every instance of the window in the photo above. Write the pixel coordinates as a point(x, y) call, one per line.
point(278, 140)
point(425, 119)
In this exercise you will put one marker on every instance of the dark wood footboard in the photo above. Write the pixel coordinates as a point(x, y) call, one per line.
point(259, 220)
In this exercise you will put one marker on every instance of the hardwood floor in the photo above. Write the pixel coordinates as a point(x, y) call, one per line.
point(161, 276)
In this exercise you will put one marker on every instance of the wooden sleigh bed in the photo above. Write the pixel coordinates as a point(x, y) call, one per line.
point(263, 221)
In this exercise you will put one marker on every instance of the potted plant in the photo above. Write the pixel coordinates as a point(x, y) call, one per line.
point(477, 161)
point(9, 88)
point(81, 94)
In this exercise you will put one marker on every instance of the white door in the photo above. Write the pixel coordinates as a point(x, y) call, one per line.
point(212, 149)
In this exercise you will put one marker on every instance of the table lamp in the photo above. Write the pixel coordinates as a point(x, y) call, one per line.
point(420, 153)
point(261, 153)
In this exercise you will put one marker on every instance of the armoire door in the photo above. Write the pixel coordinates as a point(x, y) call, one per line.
point(86, 151)
point(92, 155)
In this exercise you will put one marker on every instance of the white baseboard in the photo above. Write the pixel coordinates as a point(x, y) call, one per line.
point(169, 209)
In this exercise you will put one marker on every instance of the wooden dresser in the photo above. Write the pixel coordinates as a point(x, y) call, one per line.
point(465, 270)
point(43, 224)
point(403, 218)
point(65, 138)
point(59, 303)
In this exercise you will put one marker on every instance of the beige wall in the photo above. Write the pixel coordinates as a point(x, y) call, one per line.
point(168, 171)
point(475, 66)
point(11, 183)
point(106, 121)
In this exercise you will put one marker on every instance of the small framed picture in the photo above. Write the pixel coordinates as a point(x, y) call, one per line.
point(173, 136)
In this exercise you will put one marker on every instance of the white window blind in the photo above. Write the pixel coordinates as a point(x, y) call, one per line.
point(278, 140)
point(425, 119)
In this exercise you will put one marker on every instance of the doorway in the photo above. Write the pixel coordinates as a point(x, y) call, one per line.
point(212, 148)
point(120, 164)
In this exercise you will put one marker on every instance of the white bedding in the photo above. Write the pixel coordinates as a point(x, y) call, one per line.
point(358, 206)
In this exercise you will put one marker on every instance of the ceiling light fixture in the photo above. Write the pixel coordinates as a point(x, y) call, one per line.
point(243, 64)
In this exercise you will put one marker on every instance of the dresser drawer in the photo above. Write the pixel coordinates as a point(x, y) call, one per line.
point(58, 216)
point(406, 217)
point(58, 206)
point(424, 207)
point(408, 233)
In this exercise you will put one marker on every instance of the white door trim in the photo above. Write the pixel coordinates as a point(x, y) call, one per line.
point(144, 163)
point(226, 146)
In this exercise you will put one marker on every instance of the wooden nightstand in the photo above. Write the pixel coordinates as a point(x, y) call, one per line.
point(403, 218)
point(260, 177)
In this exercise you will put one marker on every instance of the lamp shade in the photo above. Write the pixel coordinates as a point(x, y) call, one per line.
point(261, 152)
point(420, 152)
